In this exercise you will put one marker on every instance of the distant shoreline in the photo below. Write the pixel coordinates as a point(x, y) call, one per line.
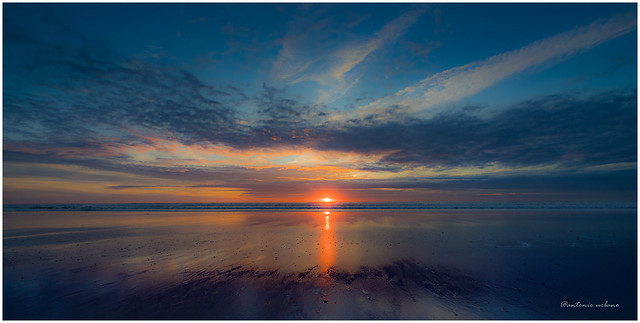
point(315, 206)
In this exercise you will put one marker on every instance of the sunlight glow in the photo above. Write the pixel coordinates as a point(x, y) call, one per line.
point(327, 244)
point(327, 199)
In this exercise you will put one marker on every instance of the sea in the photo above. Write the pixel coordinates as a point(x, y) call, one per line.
point(317, 206)
point(320, 261)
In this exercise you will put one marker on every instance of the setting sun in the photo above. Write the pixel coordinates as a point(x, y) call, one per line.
point(327, 199)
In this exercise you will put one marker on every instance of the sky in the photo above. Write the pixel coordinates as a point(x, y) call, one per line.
point(212, 102)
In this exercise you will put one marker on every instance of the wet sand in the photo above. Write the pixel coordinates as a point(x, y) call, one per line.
point(268, 264)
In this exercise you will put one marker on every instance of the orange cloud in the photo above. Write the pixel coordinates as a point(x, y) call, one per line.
point(167, 152)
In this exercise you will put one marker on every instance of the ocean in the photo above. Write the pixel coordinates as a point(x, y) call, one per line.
point(320, 261)
point(315, 206)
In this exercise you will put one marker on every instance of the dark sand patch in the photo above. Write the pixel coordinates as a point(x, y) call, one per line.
point(400, 290)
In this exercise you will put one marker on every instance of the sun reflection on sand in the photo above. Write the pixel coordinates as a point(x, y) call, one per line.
point(327, 244)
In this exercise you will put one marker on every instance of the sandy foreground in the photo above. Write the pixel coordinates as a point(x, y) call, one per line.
point(320, 265)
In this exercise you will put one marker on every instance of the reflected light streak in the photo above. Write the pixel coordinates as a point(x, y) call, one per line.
point(327, 246)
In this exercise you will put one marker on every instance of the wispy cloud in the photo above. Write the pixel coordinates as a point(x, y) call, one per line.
point(333, 69)
point(350, 56)
point(463, 81)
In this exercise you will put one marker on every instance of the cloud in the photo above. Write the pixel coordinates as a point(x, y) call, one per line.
point(554, 130)
point(121, 103)
point(106, 102)
point(590, 144)
point(88, 99)
point(349, 57)
point(422, 49)
point(125, 187)
point(308, 56)
point(86, 115)
point(462, 81)
point(620, 180)
point(104, 96)
point(616, 185)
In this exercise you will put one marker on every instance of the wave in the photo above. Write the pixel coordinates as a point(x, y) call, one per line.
point(310, 206)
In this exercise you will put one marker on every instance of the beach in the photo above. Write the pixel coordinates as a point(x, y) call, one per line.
point(291, 160)
point(328, 263)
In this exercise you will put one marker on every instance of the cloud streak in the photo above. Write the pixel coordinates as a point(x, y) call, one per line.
point(463, 81)
point(334, 69)
point(349, 57)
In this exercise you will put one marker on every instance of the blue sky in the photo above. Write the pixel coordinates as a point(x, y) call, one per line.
point(376, 102)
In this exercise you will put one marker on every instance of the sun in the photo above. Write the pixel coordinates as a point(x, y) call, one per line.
point(327, 199)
